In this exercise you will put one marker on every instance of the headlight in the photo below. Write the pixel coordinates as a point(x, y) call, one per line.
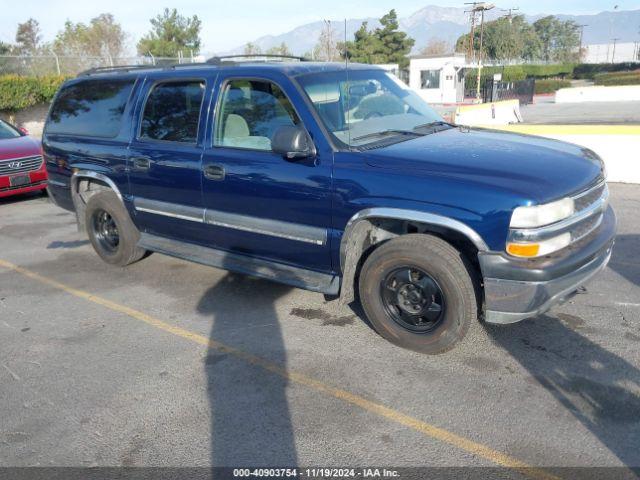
point(538, 249)
point(541, 215)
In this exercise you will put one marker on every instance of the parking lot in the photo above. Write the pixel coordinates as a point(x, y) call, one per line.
point(169, 363)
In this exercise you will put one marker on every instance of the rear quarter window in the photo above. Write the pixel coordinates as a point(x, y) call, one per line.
point(92, 108)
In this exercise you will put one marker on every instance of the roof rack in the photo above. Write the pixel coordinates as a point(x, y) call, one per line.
point(217, 60)
point(129, 68)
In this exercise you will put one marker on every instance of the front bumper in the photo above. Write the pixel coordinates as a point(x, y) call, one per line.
point(516, 289)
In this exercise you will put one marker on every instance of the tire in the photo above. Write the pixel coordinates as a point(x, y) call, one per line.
point(112, 233)
point(417, 292)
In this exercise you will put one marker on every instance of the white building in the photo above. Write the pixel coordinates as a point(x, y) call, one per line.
point(604, 53)
point(438, 78)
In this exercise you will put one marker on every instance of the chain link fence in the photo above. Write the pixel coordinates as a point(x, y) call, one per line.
point(41, 65)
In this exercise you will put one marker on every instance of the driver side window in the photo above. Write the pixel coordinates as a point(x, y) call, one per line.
point(249, 114)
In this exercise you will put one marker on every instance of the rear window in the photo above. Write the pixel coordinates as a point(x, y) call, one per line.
point(172, 112)
point(93, 108)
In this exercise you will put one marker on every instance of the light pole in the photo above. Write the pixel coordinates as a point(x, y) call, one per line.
point(613, 56)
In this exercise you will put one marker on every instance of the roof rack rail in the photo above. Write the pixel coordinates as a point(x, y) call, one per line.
point(128, 68)
point(217, 60)
point(114, 68)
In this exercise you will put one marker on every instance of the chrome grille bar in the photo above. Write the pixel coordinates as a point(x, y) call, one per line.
point(20, 165)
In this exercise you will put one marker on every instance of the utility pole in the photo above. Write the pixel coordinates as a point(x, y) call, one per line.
point(613, 56)
point(615, 8)
point(581, 27)
point(510, 11)
point(472, 35)
point(481, 7)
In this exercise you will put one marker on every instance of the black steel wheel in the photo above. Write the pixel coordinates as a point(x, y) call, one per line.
point(112, 233)
point(418, 292)
point(105, 230)
point(413, 299)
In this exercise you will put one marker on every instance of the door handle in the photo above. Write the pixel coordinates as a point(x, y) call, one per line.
point(141, 163)
point(214, 172)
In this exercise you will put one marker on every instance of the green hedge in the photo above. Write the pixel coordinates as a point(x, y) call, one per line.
point(515, 73)
point(590, 70)
point(618, 78)
point(550, 85)
point(17, 92)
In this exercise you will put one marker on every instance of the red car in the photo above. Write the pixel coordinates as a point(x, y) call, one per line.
point(21, 165)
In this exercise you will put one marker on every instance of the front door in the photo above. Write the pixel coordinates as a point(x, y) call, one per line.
point(165, 159)
point(257, 202)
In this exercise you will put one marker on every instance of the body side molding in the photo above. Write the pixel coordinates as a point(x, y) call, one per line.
point(263, 226)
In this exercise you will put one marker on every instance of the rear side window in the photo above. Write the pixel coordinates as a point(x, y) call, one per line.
point(93, 108)
point(172, 112)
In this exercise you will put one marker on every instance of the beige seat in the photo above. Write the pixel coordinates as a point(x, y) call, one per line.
point(235, 127)
point(237, 134)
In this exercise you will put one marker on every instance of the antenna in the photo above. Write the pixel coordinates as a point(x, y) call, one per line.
point(348, 89)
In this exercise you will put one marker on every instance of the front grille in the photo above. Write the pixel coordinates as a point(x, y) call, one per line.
point(20, 165)
point(585, 199)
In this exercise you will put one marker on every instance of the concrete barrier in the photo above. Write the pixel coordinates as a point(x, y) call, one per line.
point(629, 93)
point(496, 113)
point(617, 145)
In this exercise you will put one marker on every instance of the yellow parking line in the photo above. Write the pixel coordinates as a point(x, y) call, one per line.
point(427, 429)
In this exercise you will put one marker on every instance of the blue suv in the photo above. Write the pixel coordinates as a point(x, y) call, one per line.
point(338, 180)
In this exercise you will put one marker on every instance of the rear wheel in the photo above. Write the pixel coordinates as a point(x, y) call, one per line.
point(111, 231)
point(418, 293)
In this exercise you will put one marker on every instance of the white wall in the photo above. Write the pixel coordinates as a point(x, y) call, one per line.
point(628, 93)
point(603, 53)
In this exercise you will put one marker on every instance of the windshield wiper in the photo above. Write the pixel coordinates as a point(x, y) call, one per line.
point(437, 123)
point(387, 132)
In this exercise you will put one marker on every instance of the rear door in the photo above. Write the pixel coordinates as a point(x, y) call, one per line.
point(165, 157)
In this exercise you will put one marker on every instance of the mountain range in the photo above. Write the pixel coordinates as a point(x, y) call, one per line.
point(448, 23)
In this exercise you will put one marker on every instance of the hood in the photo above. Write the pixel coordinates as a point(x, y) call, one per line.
point(18, 147)
point(536, 168)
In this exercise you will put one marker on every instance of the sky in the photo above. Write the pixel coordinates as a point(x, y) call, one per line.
point(228, 24)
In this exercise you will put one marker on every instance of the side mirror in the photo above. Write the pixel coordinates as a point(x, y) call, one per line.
point(23, 130)
point(292, 142)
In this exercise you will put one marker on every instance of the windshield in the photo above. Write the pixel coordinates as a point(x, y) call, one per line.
point(7, 131)
point(368, 106)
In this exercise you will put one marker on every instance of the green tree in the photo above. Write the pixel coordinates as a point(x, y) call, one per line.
point(5, 48)
point(281, 49)
point(386, 44)
point(103, 37)
point(171, 33)
point(252, 49)
point(559, 41)
point(28, 37)
point(510, 38)
point(395, 45)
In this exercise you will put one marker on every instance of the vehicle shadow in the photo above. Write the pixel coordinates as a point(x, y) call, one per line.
point(600, 389)
point(250, 419)
point(626, 257)
point(24, 197)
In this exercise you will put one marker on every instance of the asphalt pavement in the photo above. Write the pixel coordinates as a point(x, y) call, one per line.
point(169, 363)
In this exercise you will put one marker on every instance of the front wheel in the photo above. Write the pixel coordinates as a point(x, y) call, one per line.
point(418, 293)
point(112, 233)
